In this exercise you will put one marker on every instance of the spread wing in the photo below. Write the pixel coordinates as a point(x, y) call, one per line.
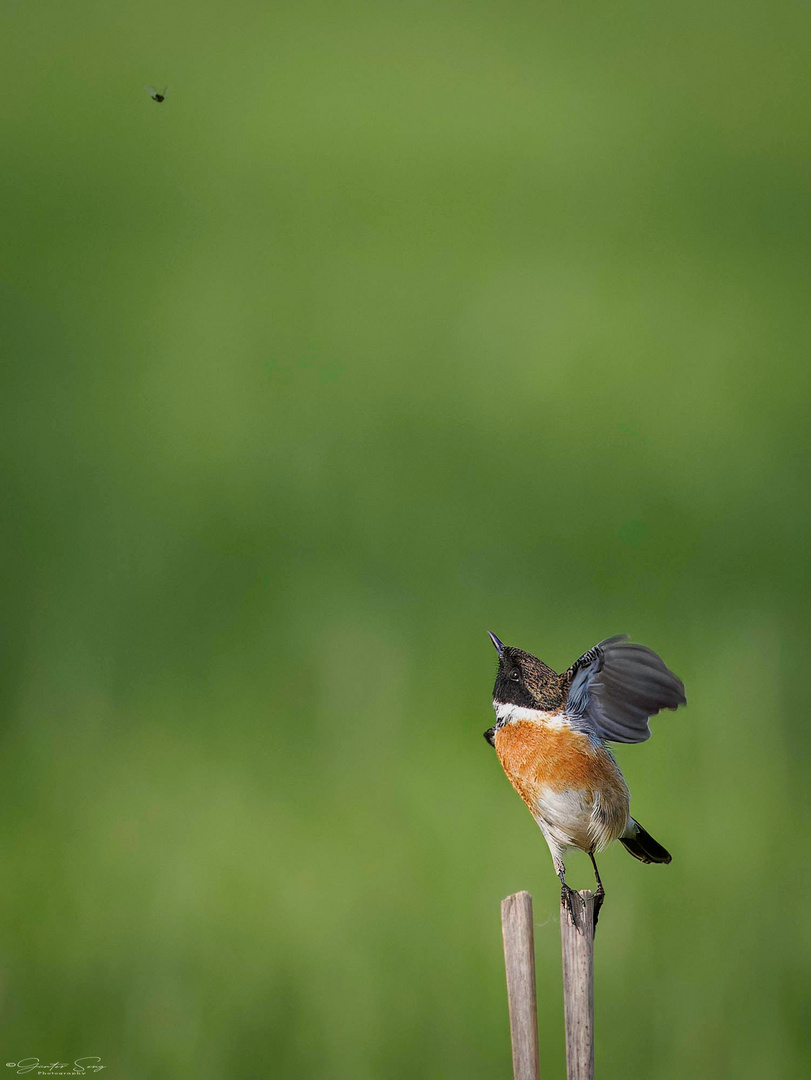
point(617, 686)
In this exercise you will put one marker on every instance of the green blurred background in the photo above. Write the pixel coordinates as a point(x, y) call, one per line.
point(394, 324)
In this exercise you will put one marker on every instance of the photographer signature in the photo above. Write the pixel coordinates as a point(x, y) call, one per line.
point(80, 1067)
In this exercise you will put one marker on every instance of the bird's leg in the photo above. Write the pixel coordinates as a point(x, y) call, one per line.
point(600, 889)
point(600, 895)
point(565, 891)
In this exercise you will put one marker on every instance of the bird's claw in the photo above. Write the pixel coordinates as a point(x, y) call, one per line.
point(575, 907)
point(566, 895)
point(599, 898)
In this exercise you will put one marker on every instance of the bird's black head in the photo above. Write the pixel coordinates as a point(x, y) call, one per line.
point(524, 680)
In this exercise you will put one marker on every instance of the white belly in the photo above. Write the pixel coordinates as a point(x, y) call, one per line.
point(577, 818)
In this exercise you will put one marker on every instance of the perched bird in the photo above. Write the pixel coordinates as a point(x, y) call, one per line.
point(550, 736)
point(157, 95)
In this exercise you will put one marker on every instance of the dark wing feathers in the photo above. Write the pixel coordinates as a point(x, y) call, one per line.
point(618, 685)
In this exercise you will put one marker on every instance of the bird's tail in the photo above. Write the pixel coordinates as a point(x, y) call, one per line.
point(642, 845)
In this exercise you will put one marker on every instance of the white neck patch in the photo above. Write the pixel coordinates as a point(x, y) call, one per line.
point(505, 713)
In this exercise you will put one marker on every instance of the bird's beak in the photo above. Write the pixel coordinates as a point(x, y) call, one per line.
point(499, 646)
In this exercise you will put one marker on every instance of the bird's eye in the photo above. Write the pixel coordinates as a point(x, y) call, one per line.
point(515, 675)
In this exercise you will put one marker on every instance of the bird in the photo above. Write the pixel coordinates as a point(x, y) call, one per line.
point(157, 95)
point(551, 734)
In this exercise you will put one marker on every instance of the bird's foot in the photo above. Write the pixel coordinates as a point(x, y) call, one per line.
point(567, 900)
point(574, 904)
point(599, 898)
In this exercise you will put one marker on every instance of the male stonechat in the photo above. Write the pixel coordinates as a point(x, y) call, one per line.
point(550, 736)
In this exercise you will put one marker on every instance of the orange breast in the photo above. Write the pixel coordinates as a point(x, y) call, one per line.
point(537, 755)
